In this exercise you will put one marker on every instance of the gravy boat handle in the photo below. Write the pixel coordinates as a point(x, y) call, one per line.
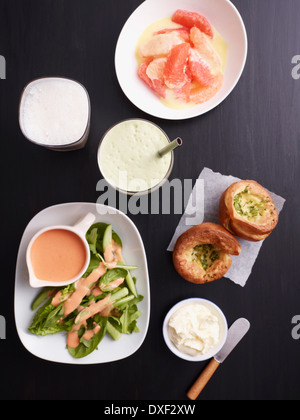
point(83, 225)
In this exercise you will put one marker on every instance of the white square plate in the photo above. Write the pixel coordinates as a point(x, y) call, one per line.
point(222, 14)
point(53, 348)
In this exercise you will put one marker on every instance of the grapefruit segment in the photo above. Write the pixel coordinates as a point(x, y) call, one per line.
point(156, 85)
point(190, 19)
point(160, 45)
point(174, 73)
point(183, 93)
point(201, 43)
point(183, 32)
point(200, 69)
point(199, 95)
point(155, 69)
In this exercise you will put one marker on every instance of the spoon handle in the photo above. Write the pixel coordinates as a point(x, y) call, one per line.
point(203, 379)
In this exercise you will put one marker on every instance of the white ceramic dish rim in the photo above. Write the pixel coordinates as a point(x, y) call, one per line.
point(61, 354)
point(216, 311)
point(155, 107)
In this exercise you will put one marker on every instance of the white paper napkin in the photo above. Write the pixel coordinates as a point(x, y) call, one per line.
point(203, 206)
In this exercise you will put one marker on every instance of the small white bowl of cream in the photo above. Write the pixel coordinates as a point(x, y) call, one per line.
point(195, 329)
point(55, 113)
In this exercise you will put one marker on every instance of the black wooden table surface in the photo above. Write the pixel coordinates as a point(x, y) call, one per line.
point(253, 134)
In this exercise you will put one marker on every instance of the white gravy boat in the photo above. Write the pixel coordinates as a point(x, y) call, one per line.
point(80, 229)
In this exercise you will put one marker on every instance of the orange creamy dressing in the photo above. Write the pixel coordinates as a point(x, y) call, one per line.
point(113, 254)
point(84, 287)
point(86, 313)
point(57, 255)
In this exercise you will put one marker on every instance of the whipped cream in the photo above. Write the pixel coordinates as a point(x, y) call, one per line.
point(194, 329)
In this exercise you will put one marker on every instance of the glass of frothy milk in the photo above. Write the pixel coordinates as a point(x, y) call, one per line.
point(128, 157)
point(55, 113)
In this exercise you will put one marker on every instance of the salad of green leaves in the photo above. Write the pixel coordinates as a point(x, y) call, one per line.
point(116, 292)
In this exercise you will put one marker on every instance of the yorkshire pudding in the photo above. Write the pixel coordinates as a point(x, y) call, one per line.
point(247, 210)
point(201, 254)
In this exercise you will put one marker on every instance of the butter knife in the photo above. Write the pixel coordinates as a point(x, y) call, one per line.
point(235, 334)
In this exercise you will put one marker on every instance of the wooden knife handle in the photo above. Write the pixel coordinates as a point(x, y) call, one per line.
point(203, 379)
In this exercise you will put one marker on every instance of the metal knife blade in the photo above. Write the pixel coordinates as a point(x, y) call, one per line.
point(235, 334)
